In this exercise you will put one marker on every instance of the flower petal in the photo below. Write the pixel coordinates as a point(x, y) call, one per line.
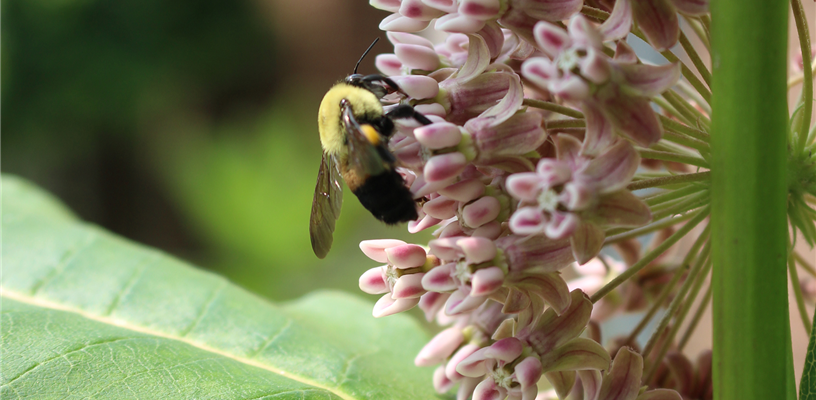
point(599, 134)
point(375, 249)
point(613, 169)
point(619, 23)
point(481, 211)
point(587, 242)
point(477, 250)
point(505, 349)
point(464, 191)
point(524, 186)
point(440, 207)
point(527, 221)
point(657, 19)
point(415, 9)
point(649, 80)
point(623, 379)
point(578, 354)
point(397, 23)
point(488, 390)
point(408, 287)
point(528, 371)
point(444, 166)
point(540, 71)
point(386, 5)
point(461, 302)
point(472, 365)
point(388, 64)
point(441, 382)
point(561, 225)
point(632, 116)
point(417, 86)
point(480, 9)
point(458, 23)
point(438, 135)
point(440, 279)
point(549, 10)
point(551, 38)
point(440, 347)
point(691, 7)
point(417, 56)
point(486, 281)
point(622, 208)
point(387, 305)
point(624, 54)
point(406, 256)
point(373, 281)
point(583, 33)
point(561, 381)
point(553, 330)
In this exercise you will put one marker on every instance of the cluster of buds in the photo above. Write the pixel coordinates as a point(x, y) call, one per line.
point(512, 203)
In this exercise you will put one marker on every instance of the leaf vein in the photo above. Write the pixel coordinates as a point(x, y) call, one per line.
point(65, 261)
point(206, 308)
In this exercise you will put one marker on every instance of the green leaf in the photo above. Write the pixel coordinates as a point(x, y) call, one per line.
point(86, 314)
point(807, 385)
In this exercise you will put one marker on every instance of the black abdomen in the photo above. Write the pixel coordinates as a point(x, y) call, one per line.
point(387, 198)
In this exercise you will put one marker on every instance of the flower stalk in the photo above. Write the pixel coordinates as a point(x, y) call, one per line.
point(748, 175)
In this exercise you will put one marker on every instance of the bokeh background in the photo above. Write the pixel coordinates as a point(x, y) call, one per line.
point(190, 126)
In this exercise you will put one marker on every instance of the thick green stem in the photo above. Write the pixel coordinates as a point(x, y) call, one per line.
point(748, 176)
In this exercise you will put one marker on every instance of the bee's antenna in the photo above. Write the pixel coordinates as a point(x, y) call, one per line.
point(364, 54)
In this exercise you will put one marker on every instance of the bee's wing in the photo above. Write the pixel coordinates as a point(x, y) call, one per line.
point(328, 198)
point(364, 158)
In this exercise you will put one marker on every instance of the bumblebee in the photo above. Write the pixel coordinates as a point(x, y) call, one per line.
point(354, 134)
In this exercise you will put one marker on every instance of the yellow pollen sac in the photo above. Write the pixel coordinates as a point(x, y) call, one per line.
point(371, 134)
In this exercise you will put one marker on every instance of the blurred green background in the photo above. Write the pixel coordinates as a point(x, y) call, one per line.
point(190, 126)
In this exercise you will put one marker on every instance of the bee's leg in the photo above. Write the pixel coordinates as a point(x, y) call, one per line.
point(404, 111)
point(380, 81)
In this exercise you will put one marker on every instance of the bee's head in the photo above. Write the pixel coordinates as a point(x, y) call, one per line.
point(380, 85)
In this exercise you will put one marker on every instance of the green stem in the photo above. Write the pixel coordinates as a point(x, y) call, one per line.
point(650, 256)
point(672, 125)
point(695, 58)
point(617, 235)
point(688, 204)
point(669, 339)
point(684, 140)
point(797, 294)
point(748, 199)
point(666, 156)
point(667, 107)
point(687, 109)
point(669, 287)
point(699, 30)
point(565, 123)
point(546, 105)
point(670, 180)
point(669, 195)
point(698, 315)
point(679, 299)
point(802, 121)
point(808, 268)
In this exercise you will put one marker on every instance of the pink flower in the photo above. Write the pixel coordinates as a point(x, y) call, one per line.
point(657, 19)
point(576, 197)
point(618, 89)
point(622, 381)
point(400, 279)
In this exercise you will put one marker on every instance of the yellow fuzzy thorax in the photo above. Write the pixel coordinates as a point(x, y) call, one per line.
point(329, 121)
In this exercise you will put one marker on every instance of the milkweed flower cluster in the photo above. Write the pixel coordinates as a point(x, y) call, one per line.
point(550, 141)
